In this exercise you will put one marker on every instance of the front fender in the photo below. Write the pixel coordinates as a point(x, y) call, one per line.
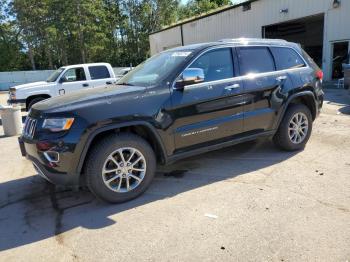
point(24, 93)
point(98, 131)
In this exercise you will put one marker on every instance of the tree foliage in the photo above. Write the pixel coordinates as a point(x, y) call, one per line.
point(197, 7)
point(42, 34)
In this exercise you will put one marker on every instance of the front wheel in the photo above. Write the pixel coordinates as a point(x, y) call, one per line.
point(295, 129)
point(120, 168)
point(34, 101)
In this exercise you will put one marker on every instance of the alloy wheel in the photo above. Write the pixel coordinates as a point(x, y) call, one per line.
point(298, 128)
point(124, 169)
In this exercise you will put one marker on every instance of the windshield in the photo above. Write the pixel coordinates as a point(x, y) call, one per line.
point(53, 77)
point(154, 69)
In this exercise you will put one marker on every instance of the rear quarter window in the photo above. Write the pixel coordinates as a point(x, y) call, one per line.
point(286, 58)
point(310, 61)
point(99, 72)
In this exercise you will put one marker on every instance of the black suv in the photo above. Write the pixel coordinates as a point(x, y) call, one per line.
point(181, 102)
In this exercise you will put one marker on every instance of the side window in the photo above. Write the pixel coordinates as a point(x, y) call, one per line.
point(74, 74)
point(216, 64)
point(253, 60)
point(286, 58)
point(99, 72)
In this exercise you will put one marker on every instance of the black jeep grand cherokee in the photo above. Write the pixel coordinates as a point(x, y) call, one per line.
point(179, 103)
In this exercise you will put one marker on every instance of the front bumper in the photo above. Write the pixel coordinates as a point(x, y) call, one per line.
point(44, 167)
point(17, 102)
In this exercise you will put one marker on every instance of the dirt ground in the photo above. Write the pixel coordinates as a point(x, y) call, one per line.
point(249, 202)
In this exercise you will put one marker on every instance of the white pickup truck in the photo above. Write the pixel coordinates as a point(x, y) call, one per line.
point(64, 80)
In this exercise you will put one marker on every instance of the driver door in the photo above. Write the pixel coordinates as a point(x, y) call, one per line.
point(211, 110)
point(73, 79)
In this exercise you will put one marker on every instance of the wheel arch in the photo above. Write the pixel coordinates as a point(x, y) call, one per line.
point(30, 98)
point(305, 97)
point(142, 129)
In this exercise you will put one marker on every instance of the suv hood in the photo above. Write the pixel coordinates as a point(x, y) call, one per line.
point(87, 98)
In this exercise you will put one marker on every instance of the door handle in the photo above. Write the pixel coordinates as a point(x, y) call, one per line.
point(85, 85)
point(231, 87)
point(109, 82)
point(281, 79)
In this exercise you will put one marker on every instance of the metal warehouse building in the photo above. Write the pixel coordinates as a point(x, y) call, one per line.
point(322, 27)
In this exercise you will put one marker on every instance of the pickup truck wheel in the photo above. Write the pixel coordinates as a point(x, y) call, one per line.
point(295, 128)
point(34, 101)
point(120, 168)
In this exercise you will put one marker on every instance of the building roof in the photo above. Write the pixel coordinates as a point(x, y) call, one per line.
point(210, 13)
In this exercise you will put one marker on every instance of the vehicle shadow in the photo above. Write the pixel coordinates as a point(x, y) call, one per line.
point(340, 97)
point(345, 110)
point(32, 210)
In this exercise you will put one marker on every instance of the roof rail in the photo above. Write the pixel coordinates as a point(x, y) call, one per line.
point(238, 40)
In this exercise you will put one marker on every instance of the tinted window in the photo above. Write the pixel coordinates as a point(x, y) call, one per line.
point(74, 74)
point(216, 64)
point(286, 58)
point(254, 60)
point(311, 61)
point(98, 72)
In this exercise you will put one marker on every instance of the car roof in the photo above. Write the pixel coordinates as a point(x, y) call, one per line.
point(235, 42)
point(86, 64)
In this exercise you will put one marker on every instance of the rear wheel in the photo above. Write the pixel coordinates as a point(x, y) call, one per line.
point(295, 128)
point(120, 168)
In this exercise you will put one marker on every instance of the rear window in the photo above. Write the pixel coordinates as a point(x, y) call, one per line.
point(253, 60)
point(286, 58)
point(99, 72)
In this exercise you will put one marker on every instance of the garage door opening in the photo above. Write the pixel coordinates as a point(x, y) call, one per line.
point(341, 54)
point(307, 31)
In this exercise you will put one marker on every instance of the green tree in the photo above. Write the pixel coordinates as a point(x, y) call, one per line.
point(142, 18)
point(11, 56)
point(198, 7)
point(42, 34)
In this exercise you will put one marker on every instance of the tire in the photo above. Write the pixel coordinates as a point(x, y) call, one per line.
point(283, 139)
point(112, 147)
point(34, 101)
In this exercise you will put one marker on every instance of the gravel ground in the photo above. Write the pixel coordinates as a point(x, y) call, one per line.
point(249, 202)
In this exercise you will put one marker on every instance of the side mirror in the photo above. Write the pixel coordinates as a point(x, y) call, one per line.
point(62, 80)
point(190, 76)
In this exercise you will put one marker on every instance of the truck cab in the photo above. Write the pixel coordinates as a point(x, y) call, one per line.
point(64, 80)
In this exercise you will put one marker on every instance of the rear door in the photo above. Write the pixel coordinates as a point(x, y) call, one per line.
point(288, 59)
point(262, 86)
point(212, 110)
point(100, 75)
point(71, 80)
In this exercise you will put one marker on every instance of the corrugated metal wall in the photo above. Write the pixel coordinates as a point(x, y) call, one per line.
point(165, 40)
point(235, 23)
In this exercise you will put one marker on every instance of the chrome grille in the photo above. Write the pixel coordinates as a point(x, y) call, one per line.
point(29, 127)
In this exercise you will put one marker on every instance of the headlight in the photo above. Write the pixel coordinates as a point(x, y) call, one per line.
point(58, 124)
point(12, 93)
